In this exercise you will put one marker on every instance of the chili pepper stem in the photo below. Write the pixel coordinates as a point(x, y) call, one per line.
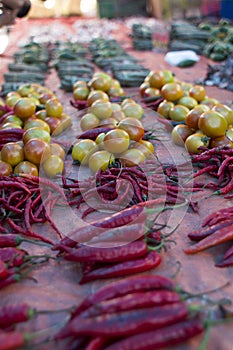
point(156, 210)
point(205, 339)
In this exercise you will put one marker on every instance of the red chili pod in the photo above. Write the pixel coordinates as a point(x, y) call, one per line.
point(11, 340)
point(12, 314)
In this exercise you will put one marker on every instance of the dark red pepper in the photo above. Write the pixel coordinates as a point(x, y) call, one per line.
point(12, 314)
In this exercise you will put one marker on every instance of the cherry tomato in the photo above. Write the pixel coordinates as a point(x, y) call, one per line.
point(96, 95)
point(193, 115)
point(143, 87)
point(24, 108)
point(9, 125)
point(100, 160)
point(12, 97)
point(80, 83)
point(198, 92)
point(146, 147)
point(194, 141)
point(46, 96)
point(210, 101)
point(83, 149)
point(180, 133)
point(225, 111)
point(38, 123)
point(26, 167)
point(115, 92)
point(13, 119)
point(37, 133)
point(81, 93)
point(100, 83)
point(66, 121)
point(12, 153)
point(57, 150)
point(36, 151)
point(132, 157)
point(25, 89)
point(116, 107)
point(101, 108)
point(172, 91)
point(116, 141)
point(127, 100)
point(168, 76)
point(89, 121)
point(100, 140)
point(118, 115)
point(41, 114)
point(133, 127)
point(156, 79)
point(53, 107)
point(53, 166)
point(178, 113)
point(152, 92)
point(133, 110)
point(188, 102)
point(213, 124)
point(164, 108)
point(111, 122)
point(5, 168)
point(55, 125)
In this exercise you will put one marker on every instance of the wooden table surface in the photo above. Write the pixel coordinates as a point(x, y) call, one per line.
point(57, 284)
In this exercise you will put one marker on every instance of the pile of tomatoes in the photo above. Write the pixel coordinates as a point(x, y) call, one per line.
point(199, 120)
point(39, 113)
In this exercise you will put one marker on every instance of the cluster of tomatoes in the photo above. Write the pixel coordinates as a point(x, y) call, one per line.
point(39, 113)
point(200, 120)
point(121, 137)
point(99, 81)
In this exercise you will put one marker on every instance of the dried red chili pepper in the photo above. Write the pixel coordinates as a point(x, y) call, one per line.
point(128, 322)
point(150, 261)
point(160, 338)
point(12, 314)
point(11, 340)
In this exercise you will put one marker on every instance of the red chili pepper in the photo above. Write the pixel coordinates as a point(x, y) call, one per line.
point(220, 236)
point(127, 323)
point(114, 254)
point(152, 260)
point(228, 253)
point(12, 278)
point(133, 301)
point(122, 287)
point(226, 262)
point(11, 340)
point(94, 132)
point(3, 270)
point(207, 231)
point(12, 314)
point(13, 256)
point(160, 338)
point(96, 343)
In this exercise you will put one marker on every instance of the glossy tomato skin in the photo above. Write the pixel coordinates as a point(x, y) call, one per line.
point(132, 157)
point(26, 167)
point(89, 121)
point(36, 151)
point(83, 149)
point(213, 124)
point(180, 133)
point(55, 125)
point(172, 91)
point(133, 127)
point(116, 141)
point(95, 95)
point(24, 108)
point(194, 141)
point(57, 150)
point(53, 166)
point(5, 168)
point(53, 108)
point(192, 117)
point(36, 132)
point(225, 111)
point(133, 110)
point(36, 122)
point(178, 113)
point(12, 153)
point(100, 160)
point(101, 109)
point(164, 108)
point(198, 92)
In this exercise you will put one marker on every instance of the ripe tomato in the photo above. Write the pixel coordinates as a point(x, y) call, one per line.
point(180, 133)
point(210, 101)
point(118, 115)
point(96, 95)
point(5, 168)
point(132, 157)
point(194, 141)
point(213, 124)
point(13, 119)
point(146, 147)
point(101, 109)
point(156, 79)
point(37, 133)
point(57, 150)
point(133, 127)
point(80, 83)
point(53, 107)
point(12, 97)
point(178, 113)
point(12, 153)
point(152, 92)
point(55, 125)
point(193, 116)
point(25, 107)
point(198, 92)
point(143, 87)
point(172, 91)
point(26, 167)
point(100, 160)
point(100, 83)
point(53, 166)
point(41, 114)
point(188, 102)
point(225, 111)
point(9, 125)
point(31, 123)
point(81, 93)
point(89, 121)
point(164, 108)
point(133, 110)
point(116, 141)
point(100, 140)
point(82, 150)
point(36, 151)
point(111, 122)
